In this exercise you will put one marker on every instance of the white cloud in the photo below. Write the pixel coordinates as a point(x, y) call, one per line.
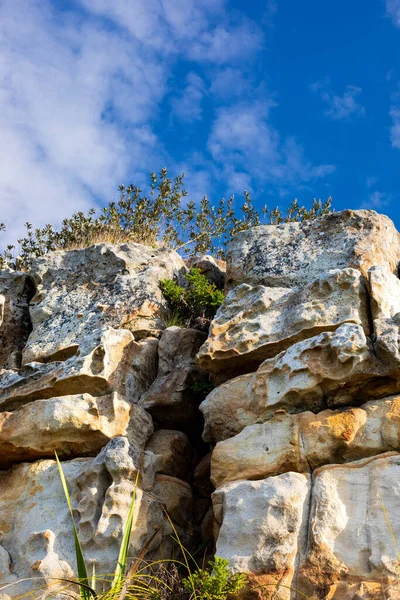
point(339, 106)
point(82, 93)
point(393, 10)
point(244, 142)
point(187, 106)
point(71, 114)
point(376, 200)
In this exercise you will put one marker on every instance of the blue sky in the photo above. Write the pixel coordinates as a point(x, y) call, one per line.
point(282, 98)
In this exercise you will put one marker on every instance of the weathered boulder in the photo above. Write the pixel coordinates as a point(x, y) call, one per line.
point(331, 540)
point(82, 290)
point(35, 524)
point(263, 527)
point(16, 290)
point(331, 369)
point(385, 309)
point(256, 323)
point(172, 398)
point(74, 426)
point(107, 360)
point(175, 450)
point(305, 441)
point(350, 552)
point(293, 254)
point(212, 268)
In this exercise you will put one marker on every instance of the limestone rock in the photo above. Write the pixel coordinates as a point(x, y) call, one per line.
point(16, 290)
point(263, 528)
point(306, 441)
point(335, 545)
point(82, 290)
point(108, 360)
point(172, 399)
point(256, 323)
point(332, 369)
point(385, 308)
point(74, 426)
point(350, 551)
point(293, 254)
point(35, 524)
point(260, 451)
point(212, 268)
point(175, 450)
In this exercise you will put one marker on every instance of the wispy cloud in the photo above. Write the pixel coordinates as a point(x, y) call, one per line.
point(187, 106)
point(393, 10)
point(84, 92)
point(81, 92)
point(339, 106)
point(376, 200)
point(244, 142)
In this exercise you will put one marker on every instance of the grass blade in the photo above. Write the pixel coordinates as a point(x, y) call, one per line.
point(84, 590)
point(124, 548)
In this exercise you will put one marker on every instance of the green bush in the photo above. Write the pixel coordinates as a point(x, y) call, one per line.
point(215, 583)
point(194, 305)
point(163, 217)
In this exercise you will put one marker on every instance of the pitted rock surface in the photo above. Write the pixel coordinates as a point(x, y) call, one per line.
point(293, 254)
point(301, 431)
point(82, 290)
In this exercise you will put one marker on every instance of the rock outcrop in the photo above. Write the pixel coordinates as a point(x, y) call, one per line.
point(306, 421)
point(294, 254)
point(301, 433)
point(76, 358)
point(83, 290)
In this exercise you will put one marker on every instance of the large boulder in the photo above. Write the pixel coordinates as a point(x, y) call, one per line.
point(353, 522)
point(78, 425)
point(263, 528)
point(306, 441)
point(333, 539)
point(16, 290)
point(332, 369)
point(385, 312)
point(256, 323)
point(107, 360)
point(37, 545)
point(293, 254)
point(82, 290)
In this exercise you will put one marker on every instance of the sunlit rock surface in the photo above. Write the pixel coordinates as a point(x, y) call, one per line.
point(81, 290)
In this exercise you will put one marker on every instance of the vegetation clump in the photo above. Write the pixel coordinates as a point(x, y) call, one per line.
point(194, 305)
point(164, 217)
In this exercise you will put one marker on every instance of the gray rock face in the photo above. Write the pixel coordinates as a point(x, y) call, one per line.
point(82, 290)
point(309, 375)
point(326, 540)
point(255, 323)
point(16, 290)
point(108, 360)
point(305, 423)
point(294, 254)
point(36, 526)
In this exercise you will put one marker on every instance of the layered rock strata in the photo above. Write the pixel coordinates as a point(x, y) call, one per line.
point(301, 432)
point(81, 343)
point(306, 421)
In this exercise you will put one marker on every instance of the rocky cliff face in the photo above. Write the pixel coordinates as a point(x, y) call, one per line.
point(303, 422)
point(306, 461)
